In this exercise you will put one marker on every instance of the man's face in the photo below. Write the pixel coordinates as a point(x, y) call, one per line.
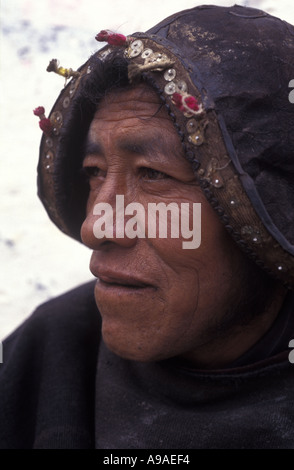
point(157, 300)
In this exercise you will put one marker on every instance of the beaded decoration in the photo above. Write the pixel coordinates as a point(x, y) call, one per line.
point(158, 62)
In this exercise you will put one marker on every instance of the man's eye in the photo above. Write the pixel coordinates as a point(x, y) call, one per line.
point(151, 174)
point(92, 171)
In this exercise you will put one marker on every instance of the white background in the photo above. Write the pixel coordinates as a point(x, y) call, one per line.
point(36, 260)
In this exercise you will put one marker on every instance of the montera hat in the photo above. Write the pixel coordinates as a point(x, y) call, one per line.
point(223, 74)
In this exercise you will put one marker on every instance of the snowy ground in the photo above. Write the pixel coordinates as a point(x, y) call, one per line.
point(37, 261)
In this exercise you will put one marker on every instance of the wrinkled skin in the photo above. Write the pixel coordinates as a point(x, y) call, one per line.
point(158, 300)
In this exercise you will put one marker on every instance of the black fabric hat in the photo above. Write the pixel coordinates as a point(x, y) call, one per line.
point(224, 74)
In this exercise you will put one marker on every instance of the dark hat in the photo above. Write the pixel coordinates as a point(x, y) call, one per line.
point(223, 74)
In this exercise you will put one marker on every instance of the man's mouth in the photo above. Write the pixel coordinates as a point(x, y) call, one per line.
point(113, 278)
point(122, 280)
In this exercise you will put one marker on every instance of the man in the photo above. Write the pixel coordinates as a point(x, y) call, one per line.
point(193, 350)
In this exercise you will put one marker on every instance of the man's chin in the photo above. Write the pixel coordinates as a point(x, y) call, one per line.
point(130, 349)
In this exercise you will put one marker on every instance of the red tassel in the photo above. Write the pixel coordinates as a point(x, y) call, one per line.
point(192, 103)
point(40, 111)
point(185, 103)
point(102, 36)
point(44, 123)
point(46, 126)
point(178, 101)
point(113, 39)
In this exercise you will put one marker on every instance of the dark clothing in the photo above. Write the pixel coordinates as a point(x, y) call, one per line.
point(60, 387)
point(47, 379)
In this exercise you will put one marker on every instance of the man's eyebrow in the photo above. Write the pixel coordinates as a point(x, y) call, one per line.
point(154, 147)
point(92, 148)
point(142, 146)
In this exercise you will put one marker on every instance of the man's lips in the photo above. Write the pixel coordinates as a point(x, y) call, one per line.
point(116, 278)
point(122, 281)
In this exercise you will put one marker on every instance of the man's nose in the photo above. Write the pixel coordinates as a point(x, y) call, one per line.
point(106, 222)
